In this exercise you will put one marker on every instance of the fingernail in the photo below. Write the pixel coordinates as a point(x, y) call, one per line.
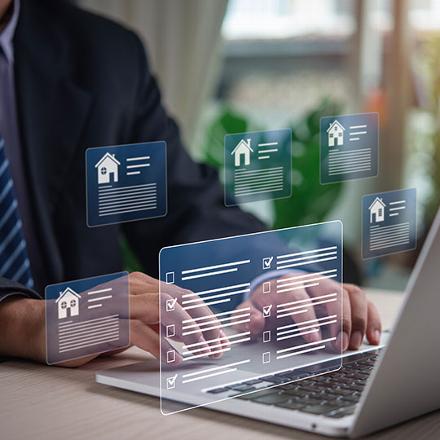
point(225, 340)
point(376, 336)
point(356, 339)
point(204, 345)
point(314, 337)
point(342, 341)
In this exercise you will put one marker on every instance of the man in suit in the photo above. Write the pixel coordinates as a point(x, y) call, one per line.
point(72, 80)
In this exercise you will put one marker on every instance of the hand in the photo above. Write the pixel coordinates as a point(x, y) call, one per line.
point(23, 323)
point(359, 316)
point(145, 324)
point(144, 319)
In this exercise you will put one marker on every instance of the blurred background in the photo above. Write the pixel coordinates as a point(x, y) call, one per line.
point(228, 66)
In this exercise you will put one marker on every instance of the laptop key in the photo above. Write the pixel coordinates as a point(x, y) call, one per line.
point(353, 399)
point(339, 403)
point(257, 394)
point(241, 387)
point(318, 409)
point(272, 399)
point(342, 392)
point(288, 386)
point(342, 412)
point(252, 382)
point(290, 404)
point(218, 390)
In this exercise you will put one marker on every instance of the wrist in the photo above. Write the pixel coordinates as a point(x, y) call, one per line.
point(23, 328)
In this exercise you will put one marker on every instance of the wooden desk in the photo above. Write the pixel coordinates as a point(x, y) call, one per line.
point(39, 402)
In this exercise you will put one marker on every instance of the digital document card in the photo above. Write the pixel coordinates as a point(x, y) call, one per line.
point(389, 222)
point(242, 314)
point(349, 147)
point(258, 166)
point(126, 183)
point(86, 317)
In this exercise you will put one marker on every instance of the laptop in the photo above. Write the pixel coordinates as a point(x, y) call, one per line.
point(376, 387)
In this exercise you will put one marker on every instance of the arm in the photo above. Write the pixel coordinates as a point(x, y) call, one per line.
point(21, 321)
point(22, 328)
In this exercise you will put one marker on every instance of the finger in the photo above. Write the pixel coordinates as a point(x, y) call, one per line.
point(328, 298)
point(147, 339)
point(343, 336)
point(296, 305)
point(255, 322)
point(208, 323)
point(358, 306)
point(374, 326)
point(145, 308)
point(196, 307)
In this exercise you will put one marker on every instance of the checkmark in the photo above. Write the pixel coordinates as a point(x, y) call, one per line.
point(171, 382)
point(171, 304)
point(267, 262)
point(266, 311)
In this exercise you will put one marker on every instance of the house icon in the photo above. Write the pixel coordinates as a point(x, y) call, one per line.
point(335, 134)
point(68, 303)
point(107, 166)
point(377, 211)
point(244, 149)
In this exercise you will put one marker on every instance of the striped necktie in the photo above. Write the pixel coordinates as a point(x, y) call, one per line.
point(14, 260)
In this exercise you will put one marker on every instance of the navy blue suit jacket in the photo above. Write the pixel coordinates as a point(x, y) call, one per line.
point(83, 81)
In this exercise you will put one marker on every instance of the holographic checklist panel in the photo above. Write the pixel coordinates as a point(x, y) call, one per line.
point(86, 317)
point(214, 347)
point(258, 166)
point(126, 183)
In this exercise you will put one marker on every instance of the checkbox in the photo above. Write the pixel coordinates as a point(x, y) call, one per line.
point(171, 356)
point(171, 331)
point(266, 336)
point(169, 277)
point(266, 311)
point(171, 304)
point(266, 357)
point(266, 287)
point(267, 263)
point(171, 382)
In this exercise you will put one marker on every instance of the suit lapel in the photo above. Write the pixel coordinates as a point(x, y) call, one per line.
point(52, 112)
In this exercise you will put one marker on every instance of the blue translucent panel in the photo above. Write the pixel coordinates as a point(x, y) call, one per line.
point(86, 317)
point(258, 166)
point(349, 147)
point(389, 222)
point(126, 183)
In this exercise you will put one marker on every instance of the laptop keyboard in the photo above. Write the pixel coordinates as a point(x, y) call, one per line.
point(332, 395)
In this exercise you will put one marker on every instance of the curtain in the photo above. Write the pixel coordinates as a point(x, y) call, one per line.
point(183, 41)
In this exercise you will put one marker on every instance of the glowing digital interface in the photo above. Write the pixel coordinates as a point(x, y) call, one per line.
point(126, 183)
point(349, 147)
point(258, 166)
point(86, 317)
point(389, 222)
point(240, 313)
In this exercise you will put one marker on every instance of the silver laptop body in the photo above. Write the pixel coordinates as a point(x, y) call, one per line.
point(404, 382)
